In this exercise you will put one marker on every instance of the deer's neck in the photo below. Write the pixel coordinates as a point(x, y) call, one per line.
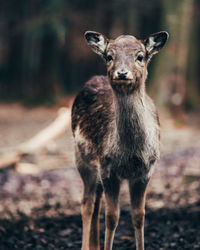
point(129, 110)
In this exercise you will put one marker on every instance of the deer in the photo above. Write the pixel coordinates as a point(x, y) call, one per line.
point(116, 131)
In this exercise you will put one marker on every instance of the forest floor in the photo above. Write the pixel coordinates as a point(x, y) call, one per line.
point(41, 209)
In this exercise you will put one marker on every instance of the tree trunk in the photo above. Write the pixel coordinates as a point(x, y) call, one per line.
point(171, 68)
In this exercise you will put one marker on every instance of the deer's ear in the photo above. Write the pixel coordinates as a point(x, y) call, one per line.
point(155, 42)
point(96, 41)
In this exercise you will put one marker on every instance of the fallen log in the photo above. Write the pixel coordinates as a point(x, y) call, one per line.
point(191, 174)
point(53, 131)
point(40, 140)
point(9, 159)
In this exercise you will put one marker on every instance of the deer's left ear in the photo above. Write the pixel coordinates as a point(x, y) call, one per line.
point(155, 42)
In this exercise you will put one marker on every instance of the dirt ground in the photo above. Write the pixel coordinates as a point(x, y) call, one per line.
point(42, 210)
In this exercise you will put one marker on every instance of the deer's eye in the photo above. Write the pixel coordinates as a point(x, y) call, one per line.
point(140, 58)
point(109, 58)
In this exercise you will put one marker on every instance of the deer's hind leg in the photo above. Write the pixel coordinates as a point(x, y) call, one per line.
point(90, 207)
point(94, 230)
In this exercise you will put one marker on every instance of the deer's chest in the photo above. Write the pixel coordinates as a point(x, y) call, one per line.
point(125, 166)
point(130, 154)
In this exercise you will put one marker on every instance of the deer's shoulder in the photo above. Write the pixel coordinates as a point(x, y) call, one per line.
point(92, 109)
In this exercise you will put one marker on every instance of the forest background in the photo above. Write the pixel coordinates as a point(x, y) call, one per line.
point(43, 55)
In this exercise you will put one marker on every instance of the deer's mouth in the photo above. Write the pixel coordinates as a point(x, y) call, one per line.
point(127, 82)
point(125, 86)
point(124, 81)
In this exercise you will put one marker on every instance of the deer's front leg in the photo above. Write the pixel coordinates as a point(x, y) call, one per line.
point(137, 195)
point(111, 190)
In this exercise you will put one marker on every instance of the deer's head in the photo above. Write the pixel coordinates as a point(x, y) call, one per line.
point(126, 57)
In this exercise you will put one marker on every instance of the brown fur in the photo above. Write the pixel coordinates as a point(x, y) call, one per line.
point(116, 130)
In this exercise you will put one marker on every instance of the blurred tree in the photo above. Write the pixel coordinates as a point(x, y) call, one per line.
point(43, 52)
point(36, 32)
point(173, 73)
point(193, 61)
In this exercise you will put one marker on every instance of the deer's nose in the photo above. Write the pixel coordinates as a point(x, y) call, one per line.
point(122, 75)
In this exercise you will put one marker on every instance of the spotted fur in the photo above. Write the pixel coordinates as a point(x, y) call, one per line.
point(124, 139)
point(116, 129)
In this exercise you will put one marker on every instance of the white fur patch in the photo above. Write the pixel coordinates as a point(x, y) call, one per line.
point(79, 138)
point(101, 45)
point(151, 44)
point(88, 147)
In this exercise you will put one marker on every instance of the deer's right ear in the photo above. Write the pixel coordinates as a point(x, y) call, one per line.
point(97, 42)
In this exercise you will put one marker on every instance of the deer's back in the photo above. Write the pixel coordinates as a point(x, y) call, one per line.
point(92, 111)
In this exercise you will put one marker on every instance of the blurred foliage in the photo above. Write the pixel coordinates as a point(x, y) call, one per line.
point(43, 55)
